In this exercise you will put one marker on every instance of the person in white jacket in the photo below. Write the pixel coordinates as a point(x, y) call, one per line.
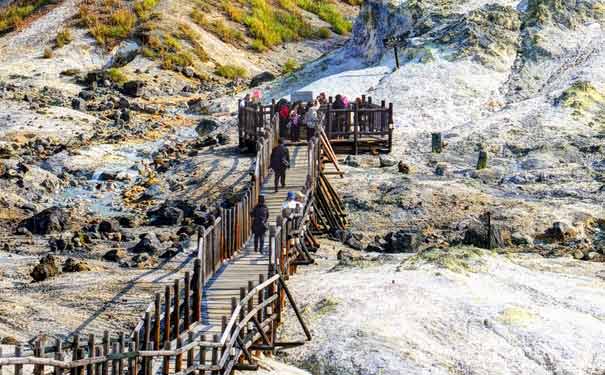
point(312, 119)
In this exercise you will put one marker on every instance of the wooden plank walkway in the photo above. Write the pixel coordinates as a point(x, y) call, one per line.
point(248, 265)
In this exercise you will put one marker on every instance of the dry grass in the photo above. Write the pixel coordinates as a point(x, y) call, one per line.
point(63, 38)
point(218, 27)
point(111, 21)
point(13, 16)
point(230, 71)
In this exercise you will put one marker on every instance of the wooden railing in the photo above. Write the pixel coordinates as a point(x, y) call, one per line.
point(360, 123)
point(169, 333)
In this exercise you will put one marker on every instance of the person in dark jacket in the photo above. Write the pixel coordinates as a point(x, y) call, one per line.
point(260, 218)
point(280, 161)
point(340, 116)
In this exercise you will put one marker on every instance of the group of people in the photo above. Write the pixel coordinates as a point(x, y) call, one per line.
point(296, 116)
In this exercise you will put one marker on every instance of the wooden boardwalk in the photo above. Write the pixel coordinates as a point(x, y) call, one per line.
point(248, 265)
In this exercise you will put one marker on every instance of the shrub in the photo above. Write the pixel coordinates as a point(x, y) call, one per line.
point(290, 66)
point(143, 8)
point(201, 53)
point(328, 13)
point(235, 13)
point(48, 53)
point(12, 16)
point(148, 52)
point(116, 75)
point(324, 33)
point(230, 71)
point(258, 45)
point(217, 27)
point(173, 60)
point(63, 38)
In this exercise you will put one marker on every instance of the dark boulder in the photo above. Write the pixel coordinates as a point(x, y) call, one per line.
point(72, 265)
point(50, 220)
point(78, 104)
point(149, 244)
point(222, 139)
point(59, 244)
point(166, 215)
point(261, 78)
point(115, 255)
point(403, 168)
point(403, 241)
point(46, 269)
point(86, 95)
point(477, 235)
point(109, 226)
point(133, 88)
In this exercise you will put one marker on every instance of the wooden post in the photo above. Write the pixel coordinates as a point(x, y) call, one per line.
point(59, 357)
point(18, 354)
point(179, 357)
point(186, 299)
point(149, 361)
point(197, 292)
point(122, 341)
point(114, 363)
point(355, 128)
point(203, 355)
point(147, 328)
point(396, 56)
point(74, 354)
point(1, 371)
point(131, 360)
point(106, 352)
point(391, 127)
point(177, 304)
point(261, 294)
point(482, 161)
point(157, 329)
point(190, 352)
point(223, 323)
point(98, 366)
point(436, 143)
point(38, 369)
point(91, 353)
point(242, 311)
point(167, 325)
point(166, 360)
point(215, 355)
point(233, 307)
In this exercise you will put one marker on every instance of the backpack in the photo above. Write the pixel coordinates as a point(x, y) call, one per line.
point(284, 112)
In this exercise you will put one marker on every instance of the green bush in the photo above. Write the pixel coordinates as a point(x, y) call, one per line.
point(290, 66)
point(217, 27)
point(327, 12)
point(63, 38)
point(116, 75)
point(15, 14)
point(324, 33)
point(230, 71)
point(143, 8)
point(258, 45)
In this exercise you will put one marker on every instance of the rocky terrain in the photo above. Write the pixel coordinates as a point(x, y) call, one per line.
point(118, 138)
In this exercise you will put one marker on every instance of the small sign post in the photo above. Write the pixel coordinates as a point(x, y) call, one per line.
point(395, 42)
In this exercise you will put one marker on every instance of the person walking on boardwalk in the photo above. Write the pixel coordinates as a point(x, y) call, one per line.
point(280, 162)
point(260, 218)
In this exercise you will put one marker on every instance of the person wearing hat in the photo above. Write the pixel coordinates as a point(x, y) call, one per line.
point(260, 218)
point(290, 202)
